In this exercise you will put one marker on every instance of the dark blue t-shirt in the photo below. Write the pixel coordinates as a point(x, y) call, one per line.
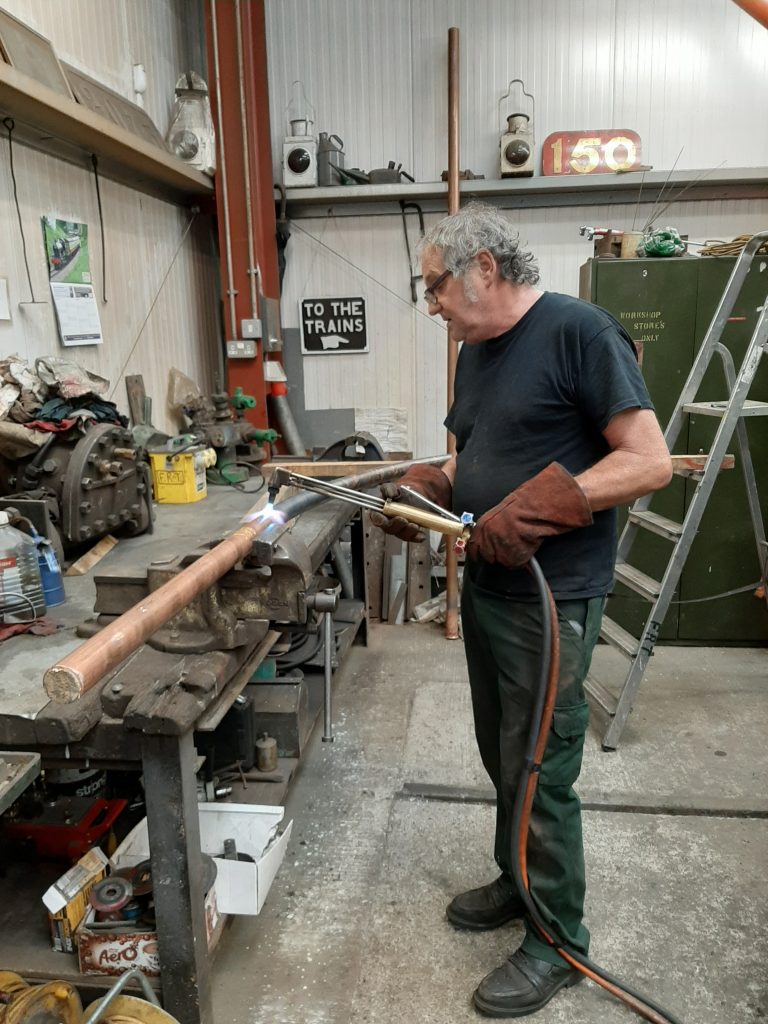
point(541, 393)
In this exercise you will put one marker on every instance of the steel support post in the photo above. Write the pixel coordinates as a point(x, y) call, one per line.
point(237, 59)
point(174, 837)
point(360, 570)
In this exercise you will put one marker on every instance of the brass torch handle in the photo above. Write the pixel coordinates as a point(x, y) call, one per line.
point(427, 520)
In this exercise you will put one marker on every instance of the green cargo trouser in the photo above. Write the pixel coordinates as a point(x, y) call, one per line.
point(503, 647)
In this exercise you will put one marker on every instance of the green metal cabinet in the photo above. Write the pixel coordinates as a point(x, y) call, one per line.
point(666, 307)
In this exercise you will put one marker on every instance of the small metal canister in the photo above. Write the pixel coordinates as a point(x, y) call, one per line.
point(266, 754)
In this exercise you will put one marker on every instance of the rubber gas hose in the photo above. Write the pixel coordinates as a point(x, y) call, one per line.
point(546, 694)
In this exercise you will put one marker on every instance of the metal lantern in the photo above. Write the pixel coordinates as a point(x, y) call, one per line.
point(516, 146)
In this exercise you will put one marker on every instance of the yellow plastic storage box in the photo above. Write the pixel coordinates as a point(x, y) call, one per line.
point(180, 479)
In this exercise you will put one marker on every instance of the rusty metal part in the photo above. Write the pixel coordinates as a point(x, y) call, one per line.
point(95, 482)
point(451, 562)
point(232, 437)
point(160, 693)
point(76, 673)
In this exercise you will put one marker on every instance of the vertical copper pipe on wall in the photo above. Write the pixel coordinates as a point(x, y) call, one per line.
point(757, 8)
point(451, 565)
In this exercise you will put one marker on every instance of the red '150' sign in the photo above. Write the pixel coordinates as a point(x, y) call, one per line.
point(599, 151)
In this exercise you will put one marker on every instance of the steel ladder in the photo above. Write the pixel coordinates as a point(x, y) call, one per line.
point(638, 650)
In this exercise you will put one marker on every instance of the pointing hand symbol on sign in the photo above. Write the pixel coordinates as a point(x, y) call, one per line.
point(333, 341)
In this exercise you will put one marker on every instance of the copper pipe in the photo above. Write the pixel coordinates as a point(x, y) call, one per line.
point(76, 673)
point(451, 563)
point(453, 120)
point(757, 8)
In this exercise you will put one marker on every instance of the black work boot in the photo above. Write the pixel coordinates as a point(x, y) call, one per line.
point(488, 907)
point(522, 985)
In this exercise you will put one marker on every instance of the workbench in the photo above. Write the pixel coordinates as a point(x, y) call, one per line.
point(80, 734)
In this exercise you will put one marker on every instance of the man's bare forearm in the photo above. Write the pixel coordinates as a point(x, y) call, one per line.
point(621, 477)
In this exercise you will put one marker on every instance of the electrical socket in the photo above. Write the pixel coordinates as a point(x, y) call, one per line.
point(238, 349)
point(250, 329)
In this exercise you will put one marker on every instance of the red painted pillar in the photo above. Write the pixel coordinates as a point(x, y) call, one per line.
point(237, 71)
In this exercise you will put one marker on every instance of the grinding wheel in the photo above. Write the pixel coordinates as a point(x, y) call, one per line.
point(140, 877)
point(209, 873)
point(111, 894)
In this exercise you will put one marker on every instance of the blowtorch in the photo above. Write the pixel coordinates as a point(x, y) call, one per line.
point(422, 513)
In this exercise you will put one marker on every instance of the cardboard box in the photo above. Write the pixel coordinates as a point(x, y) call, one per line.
point(114, 952)
point(67, 899)
point(241, 887)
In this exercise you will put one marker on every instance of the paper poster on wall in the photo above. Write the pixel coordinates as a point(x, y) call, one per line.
point(69, 272)
point(333, 326)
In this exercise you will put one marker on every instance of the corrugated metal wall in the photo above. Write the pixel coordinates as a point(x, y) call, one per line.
point(687, 76)
point(104, 38)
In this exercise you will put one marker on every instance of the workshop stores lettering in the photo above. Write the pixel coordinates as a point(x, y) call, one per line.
point(333, 326)
point(643, 324)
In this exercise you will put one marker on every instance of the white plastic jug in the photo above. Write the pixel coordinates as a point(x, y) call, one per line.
point(21, 589)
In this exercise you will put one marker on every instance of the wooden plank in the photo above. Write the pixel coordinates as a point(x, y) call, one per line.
point(92, 557)
point(419, 558)
point(330, 469)
point(137, 398)
point(72, 132)
point(685, 465)
point(214, 714)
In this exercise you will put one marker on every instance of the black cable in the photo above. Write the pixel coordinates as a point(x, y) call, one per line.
point(537, 912)
point(304, 651)
point(95, 163)
point(10, 124)
point(240, 485)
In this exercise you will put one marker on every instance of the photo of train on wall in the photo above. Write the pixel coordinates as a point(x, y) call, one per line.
point(66, 248)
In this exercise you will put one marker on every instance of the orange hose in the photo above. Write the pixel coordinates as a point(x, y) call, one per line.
point(522, 840)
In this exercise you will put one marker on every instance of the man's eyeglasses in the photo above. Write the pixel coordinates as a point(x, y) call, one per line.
point(430, 295)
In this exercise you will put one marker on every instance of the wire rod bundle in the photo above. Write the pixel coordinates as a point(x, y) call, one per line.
point(732, 248)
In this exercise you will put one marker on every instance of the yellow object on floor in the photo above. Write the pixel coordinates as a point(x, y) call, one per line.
point(180, 479)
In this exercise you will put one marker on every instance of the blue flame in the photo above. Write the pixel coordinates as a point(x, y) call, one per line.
point(267, 512)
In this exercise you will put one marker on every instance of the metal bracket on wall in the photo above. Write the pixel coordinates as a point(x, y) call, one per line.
point(418, 211)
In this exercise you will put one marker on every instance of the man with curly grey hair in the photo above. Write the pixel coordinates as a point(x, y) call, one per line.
point(554, 428)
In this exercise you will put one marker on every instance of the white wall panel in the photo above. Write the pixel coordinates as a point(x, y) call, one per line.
point(105, 38)
point(686, 74)
point(141, 236)
point(354, 59)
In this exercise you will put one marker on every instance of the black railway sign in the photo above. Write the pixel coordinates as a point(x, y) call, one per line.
point(333, 326)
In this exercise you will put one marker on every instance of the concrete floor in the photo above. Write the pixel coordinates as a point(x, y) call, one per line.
point(353, 931)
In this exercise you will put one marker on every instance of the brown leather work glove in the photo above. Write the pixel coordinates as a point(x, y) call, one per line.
point(430, 481)
point(548, 504)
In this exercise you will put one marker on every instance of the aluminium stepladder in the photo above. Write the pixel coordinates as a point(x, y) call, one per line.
point(659, 593)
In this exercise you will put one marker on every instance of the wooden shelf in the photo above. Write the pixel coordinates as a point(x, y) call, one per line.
point(538, 191)
point(66, 129)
